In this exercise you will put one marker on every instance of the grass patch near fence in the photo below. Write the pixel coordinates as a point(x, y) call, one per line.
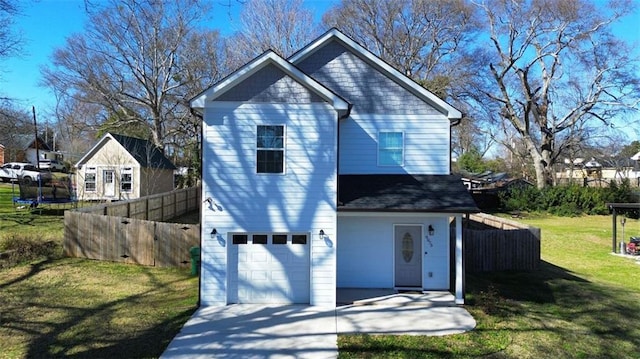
point(89, 309)
point(46, 225)
point(53, 307)
point(581, 303)
point(25, 234)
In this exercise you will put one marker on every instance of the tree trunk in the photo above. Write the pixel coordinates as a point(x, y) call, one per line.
point(541, 159)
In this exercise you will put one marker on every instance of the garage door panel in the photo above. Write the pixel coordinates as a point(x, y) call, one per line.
point(259, 276)
point(259, 256)
point(271, 273)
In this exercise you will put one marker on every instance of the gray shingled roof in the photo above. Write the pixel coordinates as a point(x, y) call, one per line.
point(145, 152)
point(23, 142)
point(404, 193)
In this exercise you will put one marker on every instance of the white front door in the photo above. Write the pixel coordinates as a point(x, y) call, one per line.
point(408, 256)
point(109, 183)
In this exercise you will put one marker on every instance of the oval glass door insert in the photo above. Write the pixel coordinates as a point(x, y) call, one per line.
point(407, 247)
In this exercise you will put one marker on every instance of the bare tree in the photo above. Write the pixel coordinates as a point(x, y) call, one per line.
point(421, 38)
point(552, 68)
point(77, 125)
point(139, 61)
point(9, 40)
point(13, 121)
point(283, 26)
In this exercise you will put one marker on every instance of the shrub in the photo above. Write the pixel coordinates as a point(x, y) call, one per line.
point(17, 249)
point(569, 200)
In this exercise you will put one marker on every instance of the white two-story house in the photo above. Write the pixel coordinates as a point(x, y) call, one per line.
point(329, 169)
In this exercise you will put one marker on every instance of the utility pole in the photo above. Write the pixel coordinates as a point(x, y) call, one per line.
point(35, 129)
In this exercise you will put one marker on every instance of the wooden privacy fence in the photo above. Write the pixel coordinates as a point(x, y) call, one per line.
point(113, 232)
point(501, 245)
point(157, 207)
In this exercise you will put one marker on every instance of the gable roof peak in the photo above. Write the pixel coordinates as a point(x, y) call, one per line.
point(266, 58)
point(146, 153)
point(391, 72)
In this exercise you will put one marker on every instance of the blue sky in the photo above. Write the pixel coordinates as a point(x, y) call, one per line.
point(45, 24)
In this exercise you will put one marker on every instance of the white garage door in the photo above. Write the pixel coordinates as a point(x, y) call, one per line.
point(271, 268)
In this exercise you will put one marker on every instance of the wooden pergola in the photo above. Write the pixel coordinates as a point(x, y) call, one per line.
point(615, 207)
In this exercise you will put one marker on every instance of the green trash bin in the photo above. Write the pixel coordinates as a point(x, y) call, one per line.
point(195, 260)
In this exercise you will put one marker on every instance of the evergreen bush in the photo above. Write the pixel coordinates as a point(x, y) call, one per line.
point(570, 200)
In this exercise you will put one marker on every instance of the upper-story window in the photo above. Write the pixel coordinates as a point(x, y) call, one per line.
point(390, 148)
point(270, 149)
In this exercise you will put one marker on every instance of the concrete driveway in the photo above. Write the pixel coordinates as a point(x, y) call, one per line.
point(302, 331)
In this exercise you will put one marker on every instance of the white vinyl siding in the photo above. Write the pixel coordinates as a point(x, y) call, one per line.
point(426, 144)
point(366, 251)
point(301, 201)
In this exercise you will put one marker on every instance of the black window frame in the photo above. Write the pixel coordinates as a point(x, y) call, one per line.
point(270, 149)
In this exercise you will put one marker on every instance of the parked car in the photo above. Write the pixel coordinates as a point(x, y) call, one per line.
point(26, 172)
point(53, 165)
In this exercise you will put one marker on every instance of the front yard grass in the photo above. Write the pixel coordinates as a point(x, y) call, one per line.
point(89, 309)
point(66, 307)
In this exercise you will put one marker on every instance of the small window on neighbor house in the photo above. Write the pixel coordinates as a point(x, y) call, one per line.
point(270, 149)
point(90, 180)
point(259, 239)
point(299, 239)
point(126, 179)
point(240, 238)
point(279, 239)
point(390, 148)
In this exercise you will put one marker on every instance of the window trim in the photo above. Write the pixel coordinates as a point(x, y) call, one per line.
point(283, 150)
point(123, 171)
point(94, 172)
point(401, 148)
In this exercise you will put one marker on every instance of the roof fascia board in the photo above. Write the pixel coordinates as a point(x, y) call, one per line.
point(97, 147)
point(93, 150)
point(451, 112)
point(269, 57)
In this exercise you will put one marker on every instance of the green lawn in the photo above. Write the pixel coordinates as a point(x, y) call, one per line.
point(66, 307)
point(89, 309)
point(45, 225)
point(583, 302)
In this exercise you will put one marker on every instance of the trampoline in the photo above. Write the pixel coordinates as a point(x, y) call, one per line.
point(45, 190)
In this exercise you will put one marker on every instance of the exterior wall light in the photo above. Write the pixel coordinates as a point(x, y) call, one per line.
point(321, 234)
point(431, 230)
point(214, 233)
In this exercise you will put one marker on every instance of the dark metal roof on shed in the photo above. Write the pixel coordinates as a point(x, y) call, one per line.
point(404, 193)
point(145, 152)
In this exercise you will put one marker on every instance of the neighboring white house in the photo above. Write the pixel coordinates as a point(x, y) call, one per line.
point(120, 167)
point(27, 148)
point(327, 169)
point(601, 171)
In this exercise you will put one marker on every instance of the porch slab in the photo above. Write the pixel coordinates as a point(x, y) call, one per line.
point(382, 296)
